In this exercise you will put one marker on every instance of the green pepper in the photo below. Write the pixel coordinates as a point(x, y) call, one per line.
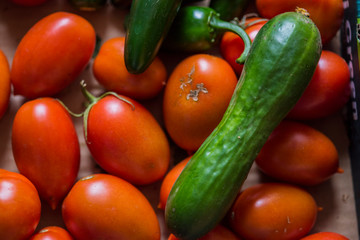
point(229, 9)
point(88, 5)
point(148, 23)
point(197, 29)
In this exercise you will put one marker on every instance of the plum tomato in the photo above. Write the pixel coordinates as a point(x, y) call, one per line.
point(110, 71)
point(46, 148)
point(218, 233)
point(126, 140)
point(52, 233)
point(299, 154)
point(326, 14)
point(20, 206)
point(5, 88)
point(273, 211)
point(52, 54)
point(103, 206)
point(325, 236)
point(196, 96)
point(29, 3)
point(328, 90)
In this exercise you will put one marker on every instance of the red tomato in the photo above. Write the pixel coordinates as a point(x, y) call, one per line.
point(52, 233)
point(218, 233)
point(196, 97)
point(5, 87)
point(110, 71)
point(328, 91)
point(326, 14)
point(46, 148)
point(232, 45)
point(52, 54)
point(28, 3)
point(126, 140)
point(325, 236)
point(103, 206)
point(273, 211)
point(298, 153)
point(20, 206)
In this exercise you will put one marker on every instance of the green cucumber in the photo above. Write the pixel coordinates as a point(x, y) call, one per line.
point(281, 63)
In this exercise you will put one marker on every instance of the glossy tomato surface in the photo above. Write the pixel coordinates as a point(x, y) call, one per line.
point(328, 91)
point(196, 96)
point(273, 211)
point(126, 140)
point(218, 233)
point(46, 148)
point(110, 71)
point(52, 233)
point(103, 206)
point(325, 236)
point(20, 206)
point(326, 14)
point(52, 54)
point(5, 88)
point(29, 3)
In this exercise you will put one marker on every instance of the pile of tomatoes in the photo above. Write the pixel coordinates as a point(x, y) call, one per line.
point(135, 146)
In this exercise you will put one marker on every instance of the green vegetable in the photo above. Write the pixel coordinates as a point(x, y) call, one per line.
point(229, 9)
point(148, 23)
point(198, 28)
point(281, 62)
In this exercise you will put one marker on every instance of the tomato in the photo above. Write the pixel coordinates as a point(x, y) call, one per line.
point(232, 45)
point(328, 91)
point(52, 233)
point(52, 54)
point(20, 206)
point(5, 88)
point(169, 181)
point(110, 71)
point(298, 153)
point(29, 3)
point(218, 233)
point(326, 14)
point(126, 140)
point(103, 206)
point(325, 236)
point(273, 211)
point(46, 148)
point(195, 98)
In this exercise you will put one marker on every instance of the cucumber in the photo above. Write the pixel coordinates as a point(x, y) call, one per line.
point(281, 62)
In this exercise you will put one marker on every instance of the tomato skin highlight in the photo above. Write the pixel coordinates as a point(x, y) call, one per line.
point(52, 233)
point(5, 85)
point(46, 148)
point(52, 54)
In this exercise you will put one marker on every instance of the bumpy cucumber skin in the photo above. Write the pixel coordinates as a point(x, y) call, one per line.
point(280, 65)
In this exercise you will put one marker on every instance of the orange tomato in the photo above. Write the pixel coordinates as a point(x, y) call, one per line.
point(218, 233)
point(5, 87)
point(196, 96)
point(110, 71)
point(102, 206)
point(52, 233)
point(325, 236)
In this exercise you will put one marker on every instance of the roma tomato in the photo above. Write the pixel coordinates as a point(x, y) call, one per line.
point(273, 211)
point(102, 206)
point(52, 54)
point(46, 148)
point(196, 96)
point(326, 14)
point(28, 3)
point(52, 233)
point(298, 153)
point(325, 236)
point(20, 206)
point(5, 87)
point(110, 71)
point(126, 140)
point(328, 91)
point(218, 233)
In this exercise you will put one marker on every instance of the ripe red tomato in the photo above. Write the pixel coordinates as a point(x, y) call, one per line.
point(126, 140)
point(298, 153)
point(218, 233)
point(273, 211)
point(5, 87)
point(196, 96)
point(46, 148)
point(102, 206)
point(328, 91)
point(110, 71)
point(20, 206)
point(52, 233)
point(326, 14)
point(52, 54)
point(325, 236)
point(28, 3)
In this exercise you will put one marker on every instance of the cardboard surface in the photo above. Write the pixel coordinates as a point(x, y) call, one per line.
point(335, 196)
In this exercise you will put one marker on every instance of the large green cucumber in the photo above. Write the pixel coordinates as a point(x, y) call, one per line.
point(281, 62)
